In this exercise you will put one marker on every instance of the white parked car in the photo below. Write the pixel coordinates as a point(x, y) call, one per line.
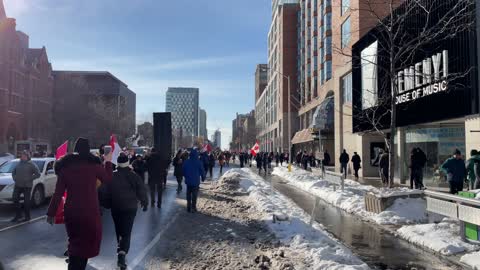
point(43, 187)
point(4, 157)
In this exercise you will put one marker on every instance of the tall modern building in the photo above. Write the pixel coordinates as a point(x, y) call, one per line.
point(217, 139)
point(202, 127)
point(274, 105)
point(261, 80)
point(183, 104)
point(326, 32)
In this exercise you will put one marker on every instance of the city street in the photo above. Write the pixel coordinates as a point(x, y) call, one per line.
point(38, 245)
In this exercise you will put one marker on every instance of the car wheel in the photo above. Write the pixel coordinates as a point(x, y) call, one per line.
point(38, 196)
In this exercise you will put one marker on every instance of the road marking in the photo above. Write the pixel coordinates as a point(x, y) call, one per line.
point(23, 223)
point(152, 243)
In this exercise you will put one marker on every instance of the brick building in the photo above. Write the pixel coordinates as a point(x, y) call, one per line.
point(272, 107)
point(26, 86)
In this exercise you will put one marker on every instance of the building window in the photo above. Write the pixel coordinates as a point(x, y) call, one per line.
point(345, 7)
point(328, 70)
point(346, 32)
point(328, 21)
point(347, 88)
point(328, 45)
point(369, 76)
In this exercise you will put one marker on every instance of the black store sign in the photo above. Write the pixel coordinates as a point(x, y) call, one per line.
point(447, 87)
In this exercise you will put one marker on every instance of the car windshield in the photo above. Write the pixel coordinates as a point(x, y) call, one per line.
point(11, 165)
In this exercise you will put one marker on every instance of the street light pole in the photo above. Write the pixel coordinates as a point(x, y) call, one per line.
point(289, 126)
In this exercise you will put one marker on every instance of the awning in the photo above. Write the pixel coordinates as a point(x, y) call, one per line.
point(324, 116)
point(303, 136)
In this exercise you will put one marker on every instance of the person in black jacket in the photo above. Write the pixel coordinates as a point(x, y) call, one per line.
point(259, 160)
point(125, 191)
point(157, 173)
point(139, 167)
point(177, 170)
point(356, 161)
point(211, 164)
point(344, 159)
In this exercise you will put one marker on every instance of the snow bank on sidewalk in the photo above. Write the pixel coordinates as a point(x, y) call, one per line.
point(472, 260)
point(320, 249)
point(443, 237)
point(352, 199)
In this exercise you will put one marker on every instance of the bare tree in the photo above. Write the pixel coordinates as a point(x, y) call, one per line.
point(405, 31)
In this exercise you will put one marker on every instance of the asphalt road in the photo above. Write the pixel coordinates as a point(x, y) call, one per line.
point(39, 246)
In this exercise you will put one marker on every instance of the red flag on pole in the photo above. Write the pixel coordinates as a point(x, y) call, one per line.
point(255, 149)
point(116, 149)
point(61, 150)
point(207, 148)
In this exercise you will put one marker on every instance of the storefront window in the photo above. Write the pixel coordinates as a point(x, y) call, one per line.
point(438, 143)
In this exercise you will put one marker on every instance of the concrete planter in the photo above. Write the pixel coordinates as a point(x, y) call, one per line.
point(376, 203)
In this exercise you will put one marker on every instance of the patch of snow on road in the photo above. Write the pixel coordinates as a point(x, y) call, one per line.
point(472, 259)
point(352, 199)
point(443, 237)
point(322, 251)
point(38, 262)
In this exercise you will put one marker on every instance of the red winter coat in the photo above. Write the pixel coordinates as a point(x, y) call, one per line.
point(78, 176)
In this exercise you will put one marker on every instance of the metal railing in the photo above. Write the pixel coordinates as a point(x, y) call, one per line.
point(462, 209)
point(334, 178)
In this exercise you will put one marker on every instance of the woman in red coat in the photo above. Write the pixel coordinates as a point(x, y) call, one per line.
point(77, 174)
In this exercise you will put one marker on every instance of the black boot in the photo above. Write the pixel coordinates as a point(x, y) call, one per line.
point(16, 219)
point(121, 262)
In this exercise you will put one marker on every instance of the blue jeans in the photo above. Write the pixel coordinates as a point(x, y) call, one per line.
point(192, 195)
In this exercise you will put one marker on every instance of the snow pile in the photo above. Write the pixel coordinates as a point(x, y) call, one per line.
point(352, 199)
point(443, 237)
point(472, 259)
point(403, 211)
point(320, 250)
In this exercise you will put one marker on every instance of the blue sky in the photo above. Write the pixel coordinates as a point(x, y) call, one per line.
point(153, 44)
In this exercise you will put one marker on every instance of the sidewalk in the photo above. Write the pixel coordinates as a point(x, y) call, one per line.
point(406, 218)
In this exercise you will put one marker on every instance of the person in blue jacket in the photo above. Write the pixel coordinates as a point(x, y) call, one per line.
point(193, 171)
point(454, 168)
point(205, 161)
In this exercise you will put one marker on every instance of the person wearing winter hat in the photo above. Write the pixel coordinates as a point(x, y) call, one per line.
point(454, 168)
point(23, 175)
point(125, 191)
point(78, 173)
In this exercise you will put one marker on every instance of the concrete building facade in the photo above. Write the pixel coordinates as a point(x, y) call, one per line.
point(327, 31)
point(202, 125)
point(217, 139)
point(97, 102)
point(272, 107)
point(261, 80)
point(26, 90)
point(183, 103)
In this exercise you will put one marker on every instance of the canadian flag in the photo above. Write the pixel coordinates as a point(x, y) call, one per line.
point(62, 150)
point(207, 148)
point(116, 149)
point(255, 149)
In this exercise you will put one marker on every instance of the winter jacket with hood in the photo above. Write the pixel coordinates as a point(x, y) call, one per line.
point(24, 174)
point(125, 190)
point(455, 167)
point(193, 170)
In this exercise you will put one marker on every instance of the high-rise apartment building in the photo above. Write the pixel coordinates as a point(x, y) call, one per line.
point(327, 29)
point(272, 107)
point(217, 139)
point(261, 80)
point(183, 104)
point(202, 124)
